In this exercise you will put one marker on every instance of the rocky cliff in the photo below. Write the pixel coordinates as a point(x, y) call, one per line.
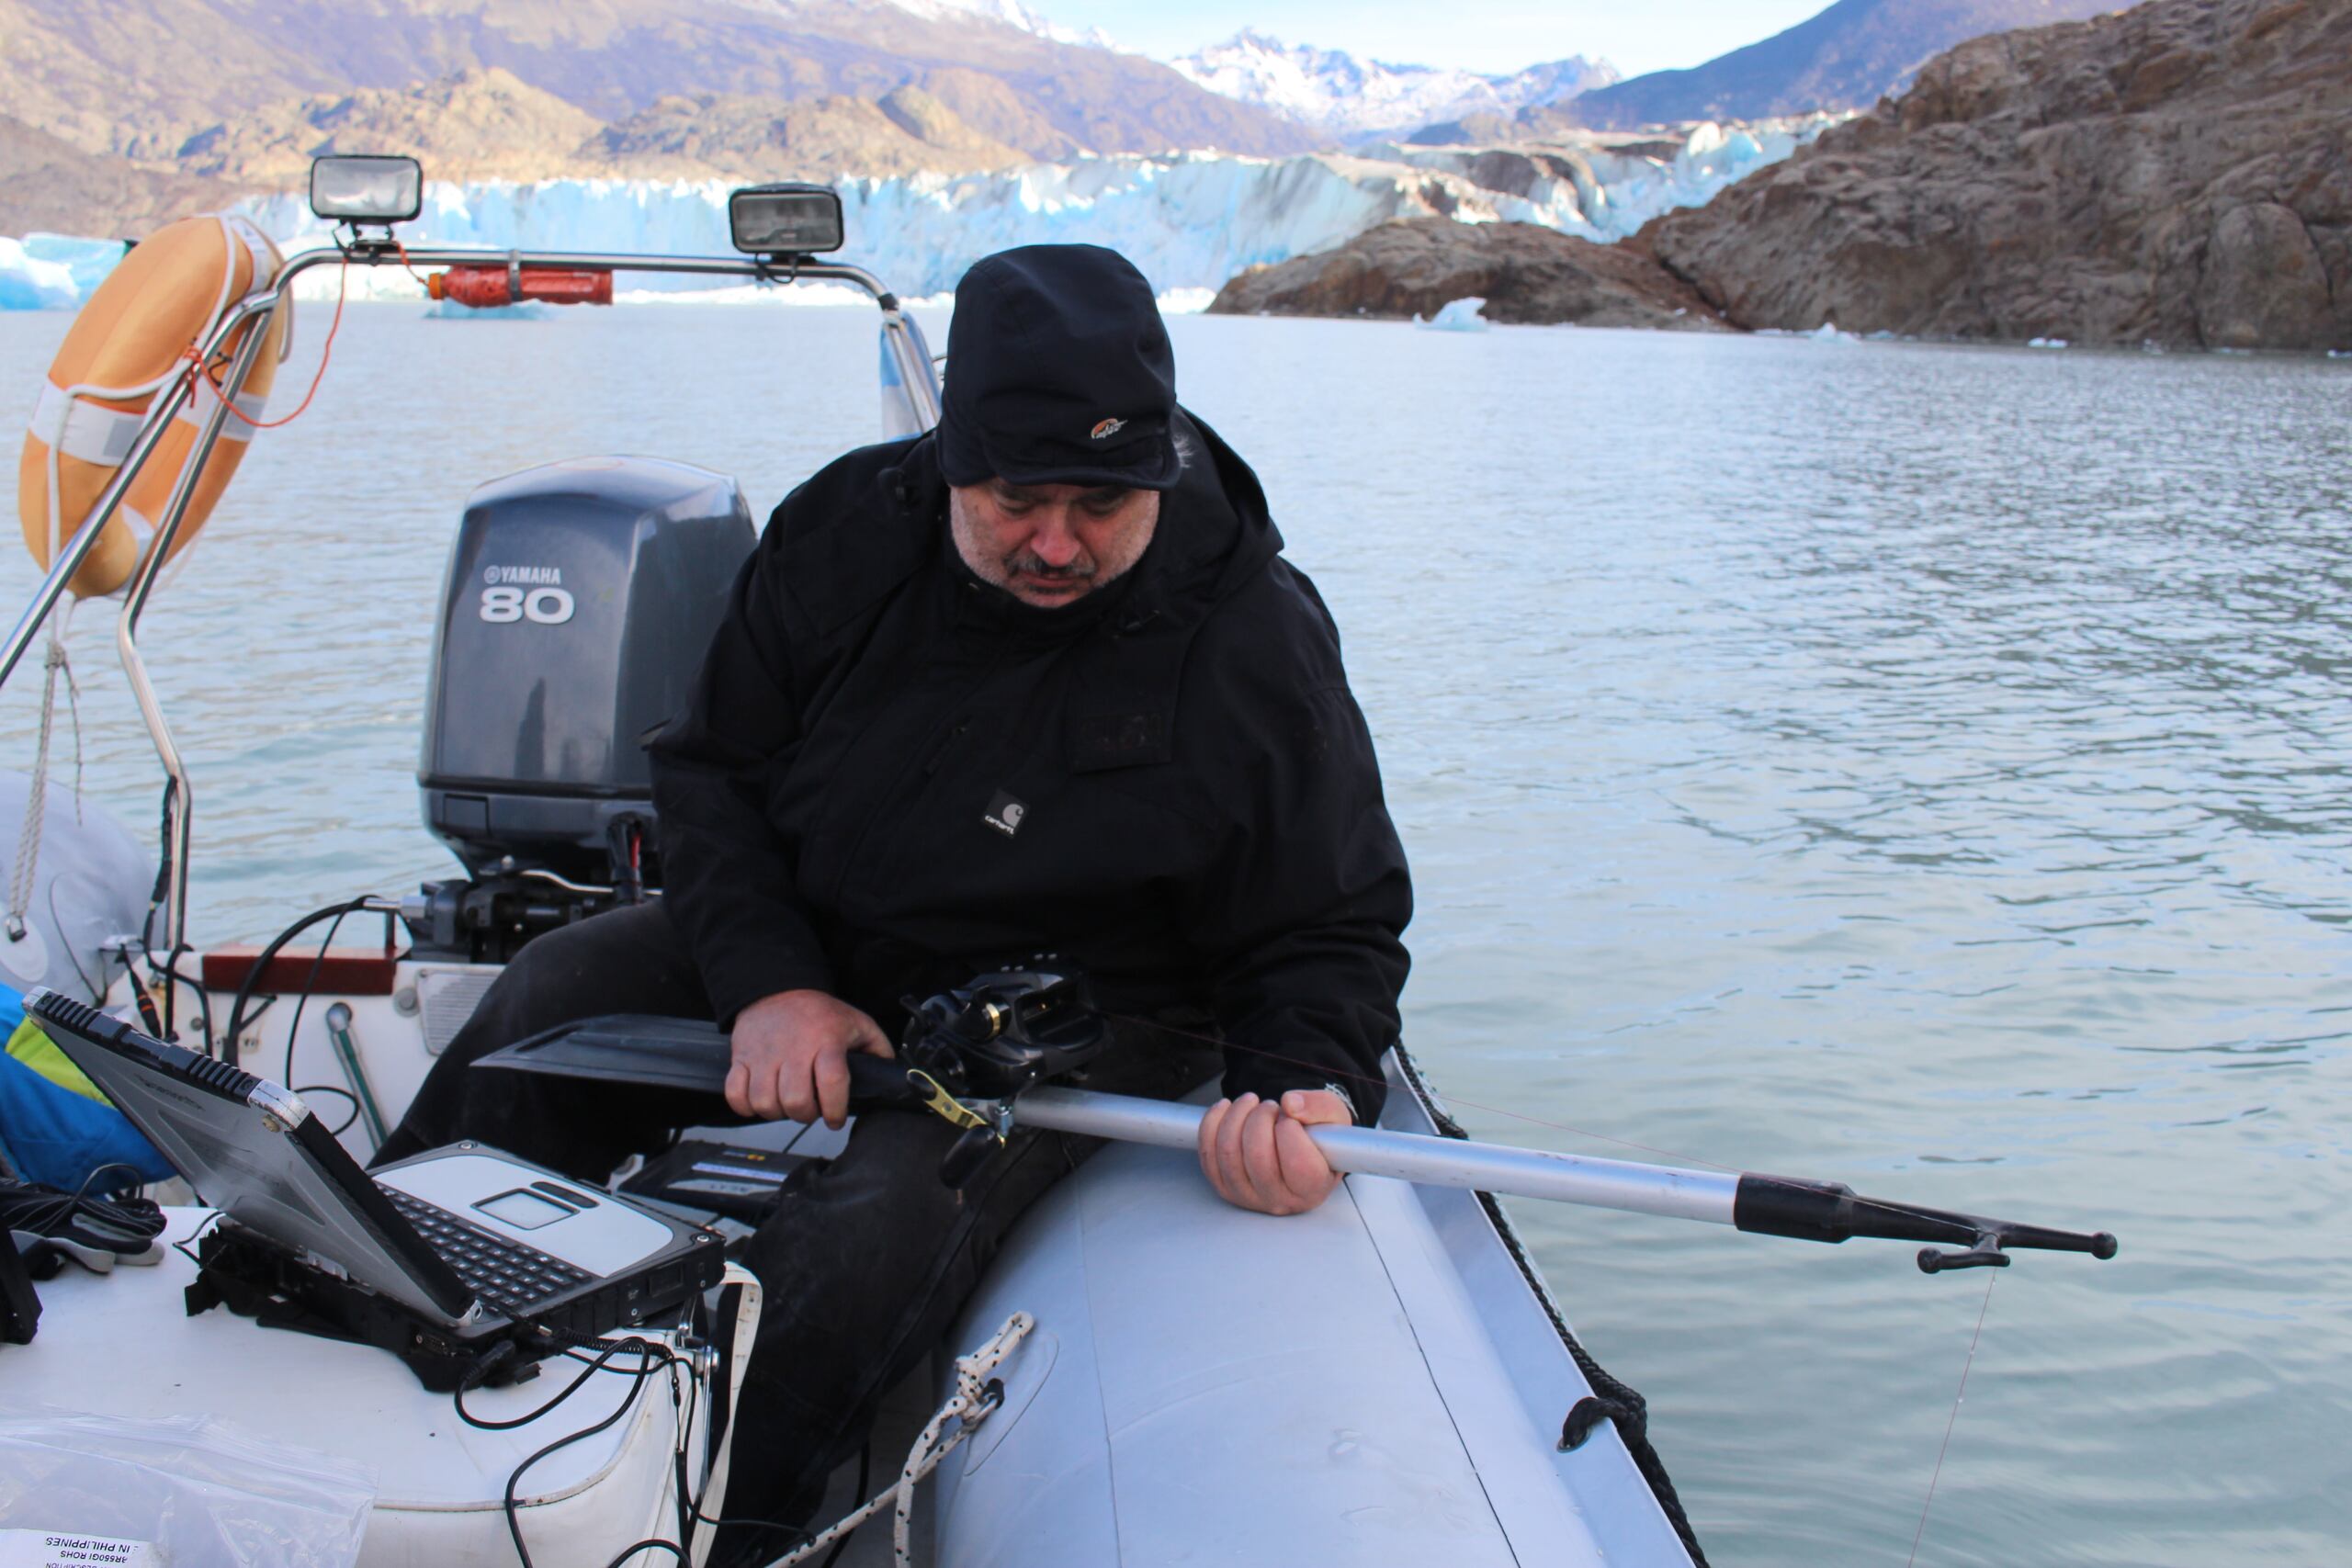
point(479, 125)
point(2176, 174)
point(1525, 273)
point(1846, 57)
point(245, 91)
point(50, 185)
point(2180, 173)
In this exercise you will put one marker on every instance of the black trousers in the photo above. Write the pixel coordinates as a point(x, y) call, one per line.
point(866, 1260)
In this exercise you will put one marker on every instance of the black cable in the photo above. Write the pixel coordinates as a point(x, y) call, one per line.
point(163, 873)
point(333, 1090)
point(310, 981)
point(124, 1226)
point(646, 1362)
point(651, 1357)
point(261, 966)
point(187, 1248)
point(595, 1366)
point(169, 969)
point(514, 1479)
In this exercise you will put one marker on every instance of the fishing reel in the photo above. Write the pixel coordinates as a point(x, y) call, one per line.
point(970, 1051)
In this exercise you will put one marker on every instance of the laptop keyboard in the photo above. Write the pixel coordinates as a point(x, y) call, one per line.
point(507, 1275)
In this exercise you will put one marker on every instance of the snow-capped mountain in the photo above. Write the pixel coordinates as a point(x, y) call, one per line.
point(1341, 95)
point(1012, 14)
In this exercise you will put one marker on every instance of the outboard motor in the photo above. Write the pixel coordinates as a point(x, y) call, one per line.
point(580, 600)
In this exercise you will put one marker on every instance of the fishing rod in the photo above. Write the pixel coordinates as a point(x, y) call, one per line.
point(983, 1056)
point(1763, 1205)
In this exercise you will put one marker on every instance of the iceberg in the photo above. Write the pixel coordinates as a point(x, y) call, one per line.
point(528, 310)
point(1457, 316)
point(1190, 221)
point(53, 272)
point(28, 283)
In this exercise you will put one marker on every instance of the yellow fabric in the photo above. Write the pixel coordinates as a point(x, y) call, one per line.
point(39, 1053)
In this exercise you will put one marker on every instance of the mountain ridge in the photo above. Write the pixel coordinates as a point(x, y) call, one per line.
point(108, 78)
point(1847, 56)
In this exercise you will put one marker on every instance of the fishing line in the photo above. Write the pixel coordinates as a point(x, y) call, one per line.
point(1962, 1393)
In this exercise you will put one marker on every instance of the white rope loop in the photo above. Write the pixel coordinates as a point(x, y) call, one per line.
point(21, 876)
point(970, 1404)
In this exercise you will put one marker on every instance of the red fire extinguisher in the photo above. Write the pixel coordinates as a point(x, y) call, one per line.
point(482, 287)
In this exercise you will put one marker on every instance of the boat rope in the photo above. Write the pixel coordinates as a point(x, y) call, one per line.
point(979, 1395)
point(21, 875)
point(1974, 1340)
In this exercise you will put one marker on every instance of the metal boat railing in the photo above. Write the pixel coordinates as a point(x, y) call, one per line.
point(909, 351)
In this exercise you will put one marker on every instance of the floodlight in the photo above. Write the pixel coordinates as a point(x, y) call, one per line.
point(785, 219)
point(366, 188)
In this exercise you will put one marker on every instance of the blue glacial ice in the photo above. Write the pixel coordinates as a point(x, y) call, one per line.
point(53, 272)
point(1190, 221)
point(1457, 316)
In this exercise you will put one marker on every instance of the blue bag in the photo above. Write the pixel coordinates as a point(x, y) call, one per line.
point(55, 1127)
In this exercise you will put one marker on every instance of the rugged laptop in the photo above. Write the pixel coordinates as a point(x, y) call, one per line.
point(475, 1243)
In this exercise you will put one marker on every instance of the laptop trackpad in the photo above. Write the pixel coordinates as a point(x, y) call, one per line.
point(513, 1202)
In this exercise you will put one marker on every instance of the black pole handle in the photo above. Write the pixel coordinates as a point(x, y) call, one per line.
point(1832, 1212)
point(876, 1083)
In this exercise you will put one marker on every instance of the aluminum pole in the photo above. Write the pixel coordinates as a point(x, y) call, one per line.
point(1410, 1157)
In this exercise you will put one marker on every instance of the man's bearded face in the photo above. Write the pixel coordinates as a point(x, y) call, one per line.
point(1050, 544)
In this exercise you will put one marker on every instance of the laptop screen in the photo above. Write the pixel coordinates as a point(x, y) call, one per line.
point(254, 1150)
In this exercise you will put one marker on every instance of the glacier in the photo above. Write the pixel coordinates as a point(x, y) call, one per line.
point(1190, 221)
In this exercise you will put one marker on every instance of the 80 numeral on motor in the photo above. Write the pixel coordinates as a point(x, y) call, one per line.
point(545, 607)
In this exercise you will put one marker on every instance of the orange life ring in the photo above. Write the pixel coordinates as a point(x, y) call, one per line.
point(130, 342)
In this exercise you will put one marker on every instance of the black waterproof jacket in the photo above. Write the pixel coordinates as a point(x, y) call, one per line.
point(893, 774)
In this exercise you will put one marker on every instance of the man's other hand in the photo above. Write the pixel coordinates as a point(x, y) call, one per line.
point(1257, 1155)
point(791, 1053)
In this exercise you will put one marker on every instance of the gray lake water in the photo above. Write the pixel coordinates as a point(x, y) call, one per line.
point(1919, 766)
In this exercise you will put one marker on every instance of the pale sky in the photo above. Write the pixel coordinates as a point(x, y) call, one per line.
point(1477, 35)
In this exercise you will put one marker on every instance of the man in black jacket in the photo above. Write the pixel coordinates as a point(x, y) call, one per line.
point(1038, 682)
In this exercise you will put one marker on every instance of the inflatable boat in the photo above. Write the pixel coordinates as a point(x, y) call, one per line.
point(1145, 1377)
point(1384, 1381)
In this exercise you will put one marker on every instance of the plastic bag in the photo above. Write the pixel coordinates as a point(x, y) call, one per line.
point(199, 1492)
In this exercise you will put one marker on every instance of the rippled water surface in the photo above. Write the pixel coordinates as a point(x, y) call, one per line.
point(1924, 767)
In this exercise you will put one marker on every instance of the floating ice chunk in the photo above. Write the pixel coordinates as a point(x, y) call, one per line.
point(793, 293)
point(2046, 343)
point(29, 283)
point(1827, 332)
point(89, 261)
point(1457, 316)
point(528, 310)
